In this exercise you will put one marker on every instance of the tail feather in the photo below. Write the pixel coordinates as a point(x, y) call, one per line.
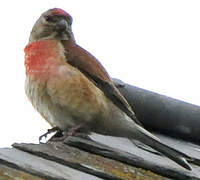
point(173, 154)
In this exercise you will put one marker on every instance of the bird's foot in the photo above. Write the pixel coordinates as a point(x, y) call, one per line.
point(74, 131)
point(49, 131)
point(65, 135)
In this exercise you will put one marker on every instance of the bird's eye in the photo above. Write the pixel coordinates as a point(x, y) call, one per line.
point(50, 19)
point(46, 18)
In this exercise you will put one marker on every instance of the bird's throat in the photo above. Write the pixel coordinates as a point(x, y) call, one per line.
point(42, 57)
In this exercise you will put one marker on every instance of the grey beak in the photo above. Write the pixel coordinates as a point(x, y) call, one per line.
point(62, 25)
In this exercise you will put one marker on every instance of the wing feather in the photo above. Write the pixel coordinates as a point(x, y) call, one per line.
point(92, 68)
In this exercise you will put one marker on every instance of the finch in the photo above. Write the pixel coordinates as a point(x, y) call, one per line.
point(72, 90)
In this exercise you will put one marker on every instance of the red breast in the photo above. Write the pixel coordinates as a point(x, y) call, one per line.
point(42, 57)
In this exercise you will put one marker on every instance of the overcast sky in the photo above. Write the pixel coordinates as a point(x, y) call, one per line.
point(150, 44)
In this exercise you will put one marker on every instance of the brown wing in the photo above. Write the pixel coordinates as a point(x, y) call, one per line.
point(92, 68)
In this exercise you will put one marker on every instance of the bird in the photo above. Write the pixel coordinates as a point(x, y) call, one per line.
point(72, 90)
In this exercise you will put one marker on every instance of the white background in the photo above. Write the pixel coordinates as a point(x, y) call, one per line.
point(150, 44)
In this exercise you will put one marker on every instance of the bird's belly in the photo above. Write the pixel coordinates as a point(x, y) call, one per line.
point(53, 113)
point(66, 101)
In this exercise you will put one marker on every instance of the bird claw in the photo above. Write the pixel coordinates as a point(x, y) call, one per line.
point(66, 134)
point(70, 132)
point(49, 131)
point(62, 135)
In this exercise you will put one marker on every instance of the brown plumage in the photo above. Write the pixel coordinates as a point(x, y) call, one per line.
point(71, 89)
point(92, 68)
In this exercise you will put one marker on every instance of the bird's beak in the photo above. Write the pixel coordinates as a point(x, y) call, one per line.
point(62, 25)
point(64, 28)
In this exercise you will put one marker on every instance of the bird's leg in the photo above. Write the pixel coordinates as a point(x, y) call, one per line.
point(49, 131)
point(73, 131)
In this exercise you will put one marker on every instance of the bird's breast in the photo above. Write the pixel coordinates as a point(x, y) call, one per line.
point(42, 58)
point(59, 91)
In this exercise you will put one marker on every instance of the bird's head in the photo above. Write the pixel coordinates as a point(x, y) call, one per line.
point(53, 24)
